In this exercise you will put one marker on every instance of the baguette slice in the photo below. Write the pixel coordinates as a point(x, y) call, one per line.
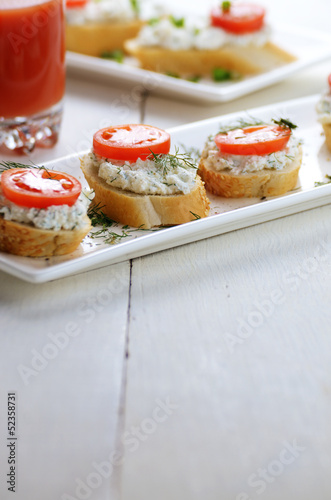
point(327, 133)
point(28, 241)
point(245, 60)
point(146, 210)
point(94, 39)
point(256, 184)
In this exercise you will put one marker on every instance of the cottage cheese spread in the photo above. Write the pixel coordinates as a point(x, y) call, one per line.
point(196, 35)
point(146, 177)
point(54, 217)
point(323, 109)
point(98, 11)
point(238, 164)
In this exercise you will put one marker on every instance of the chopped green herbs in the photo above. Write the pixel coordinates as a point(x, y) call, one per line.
point(253, 122)
point(153, 21)
point(135, 6)
point(221, 74)
point(107, 226)
point(173, 75)
point(194, 78)
point(322, 183)
point(7, 165)
point(114, 55)
point(179, 22)
point(285, 123)
point(170, 162)
point(241, 123)
point(192, 152)
point(226, 6)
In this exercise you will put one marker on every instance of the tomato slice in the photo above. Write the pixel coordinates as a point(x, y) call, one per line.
point(240, 18)
point(329, 80)
point(39, 188)
point(72, 4)
point(258, 140)
point(130, 142)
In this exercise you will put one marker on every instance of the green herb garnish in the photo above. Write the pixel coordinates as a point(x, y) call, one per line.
point(192, 152)
point(99, 218)
point(7, 165)
point(168, 162)
point(226, 6)
point(241, 123)
point(221, 74)
point(114, 55)
point(178, 22)
point(153, 21)
point(321, 183)
point(135, 6)
point(173, 75)
point(285, 123)
point(196, 216)
point(194, 78)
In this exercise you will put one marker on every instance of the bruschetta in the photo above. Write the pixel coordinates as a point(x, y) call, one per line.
point(252, 160)
point(234, 38)
point(42, 212)
point(136, 180)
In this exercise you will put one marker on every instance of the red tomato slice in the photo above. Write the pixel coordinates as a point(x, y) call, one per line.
point(130, 142)
point(258, 140)
point(72, 4)
point(329, 80)
point(38, 188)
point(239, 19)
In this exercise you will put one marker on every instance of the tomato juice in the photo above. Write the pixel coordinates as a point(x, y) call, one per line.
point(32, 56)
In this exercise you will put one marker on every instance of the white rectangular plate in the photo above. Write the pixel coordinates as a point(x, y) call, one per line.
point(226, 214)
point(309, 47)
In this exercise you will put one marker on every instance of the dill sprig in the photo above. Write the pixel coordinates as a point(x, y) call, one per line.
point(106, 225)
point(108, 236)
point(322, 183)
point(98, 217)
point(194, 153)
point(135, 6)
point(7, 165)
point(241, 123)
point(168, 162)
point(285, 123)
point(253, 122)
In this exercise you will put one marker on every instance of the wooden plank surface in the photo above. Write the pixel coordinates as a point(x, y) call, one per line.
point(63, 353)
point(225, 331)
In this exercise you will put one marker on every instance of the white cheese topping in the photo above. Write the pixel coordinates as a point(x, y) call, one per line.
point(196, 35)
point(98, 11)
point(241, 164)
point(146, 177)
point(55, 217)
point(323, 108)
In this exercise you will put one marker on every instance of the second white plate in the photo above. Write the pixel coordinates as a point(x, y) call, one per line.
point(309, 47)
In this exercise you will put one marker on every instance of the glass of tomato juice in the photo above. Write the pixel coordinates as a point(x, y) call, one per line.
point(32, 73)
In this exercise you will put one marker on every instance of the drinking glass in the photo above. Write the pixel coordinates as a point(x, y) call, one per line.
point(32, 73)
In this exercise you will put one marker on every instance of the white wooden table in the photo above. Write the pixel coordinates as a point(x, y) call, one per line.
point(201, 372)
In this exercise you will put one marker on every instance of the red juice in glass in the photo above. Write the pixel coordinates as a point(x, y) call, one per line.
point(32, 72)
